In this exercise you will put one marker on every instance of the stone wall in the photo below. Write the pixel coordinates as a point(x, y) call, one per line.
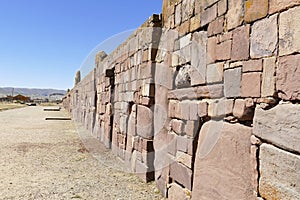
point(203, 99)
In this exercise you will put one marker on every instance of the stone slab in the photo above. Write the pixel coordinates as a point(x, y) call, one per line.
point(279, 125)
point(278, 170)
point(222, 164)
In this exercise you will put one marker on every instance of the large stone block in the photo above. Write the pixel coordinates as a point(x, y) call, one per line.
point(279, 125)
point(235, 14)
point(279, 170)
point(232, 82)
point(288, 77)
point(289, 29)
point(144, 122)
point(278, 5)
point(240, 45)
point(177, 192)
point(264, 37)
point(208, 15)
point(223, 167)
point(255, 9)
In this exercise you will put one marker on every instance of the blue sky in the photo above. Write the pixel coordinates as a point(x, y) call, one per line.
point(44, 42)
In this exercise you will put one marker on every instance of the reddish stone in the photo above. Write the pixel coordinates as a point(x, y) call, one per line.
point(181, 174)
point(251, 83)
point(240, 43)
point(223, 163)
point(177, 126)
point(216, 26)
point(288, 77)
point(279, 5)
point(211, 50)
point(191, 128)
point(144, 122)
point(252, 66)
point(208, 15)
point(202, 109)
point(223, 50)
point(176, 192)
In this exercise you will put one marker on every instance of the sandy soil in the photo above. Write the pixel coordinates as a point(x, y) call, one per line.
point(42, 159)
point(8, 106)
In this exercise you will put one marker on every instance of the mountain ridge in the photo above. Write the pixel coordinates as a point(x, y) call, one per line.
point(31, 92)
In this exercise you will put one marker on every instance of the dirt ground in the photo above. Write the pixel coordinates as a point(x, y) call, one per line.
point(43, 159)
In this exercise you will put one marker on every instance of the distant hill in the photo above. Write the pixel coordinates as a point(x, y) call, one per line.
point(33, 93)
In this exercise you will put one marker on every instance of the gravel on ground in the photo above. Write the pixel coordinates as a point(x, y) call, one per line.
point(43, 159)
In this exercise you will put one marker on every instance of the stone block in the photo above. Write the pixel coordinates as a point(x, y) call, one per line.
point(176, 192)
point(208, 15)
point(241, 111)
point(224, 37)
point(220, 108)
point(185, 110)
point(278, 173)
point(211, 50)
point(172, 144)
point(177, 126)
point(235, 14)
point(182, 143)
point(279, 125)
point(222, 7)
point(223, 50)
point(195, 23)
point(193, 108)
point(232, 82)
point(144, 122)
point(198, 58)
point(279, 5)
point(268, 77)
point(202, 109)
point(264, 37)
point(240, 43)
point(251, 83)
point(225, 148)
point(255, 9)
point(181, 174)
point(178, 15)
point(208, 91)
point(185, 41)
point(215, 73)
point(288, 77)
point(191, 128)
point(216, 26)
point(253, 66)
point(289, 29)
point(184, 159)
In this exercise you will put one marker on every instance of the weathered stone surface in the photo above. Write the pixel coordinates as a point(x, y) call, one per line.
point(207, 91)
point(220, 108)
point(178, 15)
point(277, 169)
point(289, 30)
point(195, 23)
point(240, 46)
point(202, 109)
point(241, 111)
point(255, 9)
point(191, 128)
point(225, 148)
point(235, 14)
point(268, 77)
point(288, 77)
point(264, 37)
point(232, 82)
point(215, 73)
point(177, 192)
point(208, 15)
point(279, 125)
point(222, 7)
point(198, 58)
point(253, 66)
point(211, 49)
point(278, 5)
point(251, 84)
point(216, 26)
point(177, 126)
point(183, 78)
point(181, 174)
point(144, 122)
point(223, 50)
